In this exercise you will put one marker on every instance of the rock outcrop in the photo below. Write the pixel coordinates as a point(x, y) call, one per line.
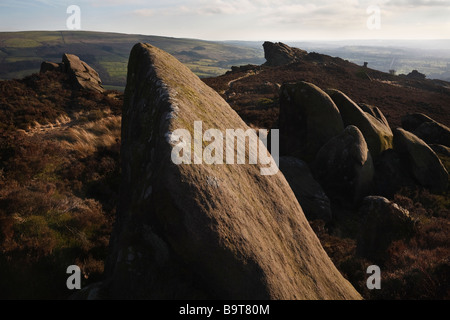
point(203, 231)
point(278, 54)
point(421, 160)
point(378, 135)
point(80, 73)
point(309, 193)
point(382, 222)
point(344, 166)
point(308, 119)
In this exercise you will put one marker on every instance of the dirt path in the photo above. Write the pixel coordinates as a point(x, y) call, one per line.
point(229, 93)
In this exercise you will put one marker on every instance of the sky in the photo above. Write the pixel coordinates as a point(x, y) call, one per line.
point(281, 20)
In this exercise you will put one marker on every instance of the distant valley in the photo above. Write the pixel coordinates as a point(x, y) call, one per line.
point(21, 53)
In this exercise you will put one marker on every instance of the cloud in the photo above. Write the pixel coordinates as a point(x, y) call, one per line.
point(418, 3)
point(144, 12)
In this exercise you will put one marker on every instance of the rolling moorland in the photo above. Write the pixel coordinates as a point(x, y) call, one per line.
point(21, 53)
point(60, 176)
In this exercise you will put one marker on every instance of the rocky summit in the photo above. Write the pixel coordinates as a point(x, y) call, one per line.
point(278, 54)
point(203, 231)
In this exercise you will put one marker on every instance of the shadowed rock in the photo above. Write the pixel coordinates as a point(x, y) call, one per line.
point(344, 166)
point(427, 129)
point(375, 130)
point(47, 66)
point(308, 119)
point(391, 174)
point(203, 231)
point(421, 160)
point(412, 121)
point(278, 54)
point(382, 222)
point(433, 133)
point(440, 149)
point(309, 193)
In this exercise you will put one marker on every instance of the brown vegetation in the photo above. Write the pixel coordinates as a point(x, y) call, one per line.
point(58, 184)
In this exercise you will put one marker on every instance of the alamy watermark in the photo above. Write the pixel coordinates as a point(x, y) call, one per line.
point(73, 22)
point(186, 150)
point(374, 281)
point(74, 280)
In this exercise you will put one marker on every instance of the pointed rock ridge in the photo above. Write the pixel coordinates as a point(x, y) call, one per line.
point(203, 231)
point(82, 74)
point(423, 163)
point(344, 167)
point(308, 119)
point(378, 135)
point(308, 191)
point(375, 112)
point(278, 54)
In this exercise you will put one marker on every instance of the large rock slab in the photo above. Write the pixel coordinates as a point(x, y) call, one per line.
point(308, 119)
point(203, 231)
point(344, 166)
point(421, 160)
point(309, 193)
point(375, 130)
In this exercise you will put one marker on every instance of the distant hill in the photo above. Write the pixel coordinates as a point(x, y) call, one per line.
point(21, 53)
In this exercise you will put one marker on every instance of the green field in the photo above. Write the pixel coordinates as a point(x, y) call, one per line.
point(21, 53)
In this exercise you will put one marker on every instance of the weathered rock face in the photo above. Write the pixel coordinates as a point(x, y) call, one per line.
point(422, 162)
point(278, 54)
point(382, 222)
point(308, 119)
point(82, 74)
point(344, 166)
point(378, 135)
point(309, 193)
point(203, 231)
